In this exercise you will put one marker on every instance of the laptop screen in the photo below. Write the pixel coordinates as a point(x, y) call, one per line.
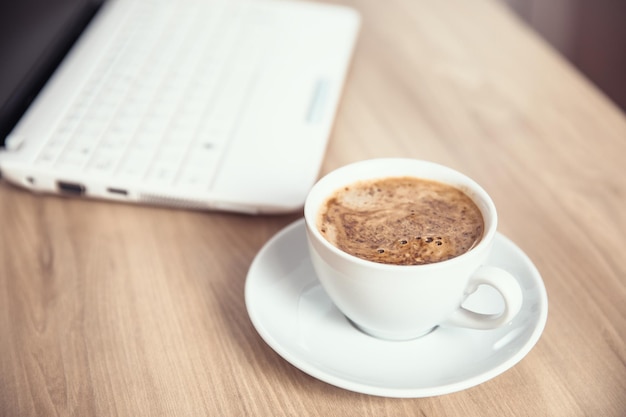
point(34, 37)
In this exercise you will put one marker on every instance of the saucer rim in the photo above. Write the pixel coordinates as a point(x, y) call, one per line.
point(447, 388)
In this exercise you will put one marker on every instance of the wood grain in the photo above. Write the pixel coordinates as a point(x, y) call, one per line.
point(117, 310)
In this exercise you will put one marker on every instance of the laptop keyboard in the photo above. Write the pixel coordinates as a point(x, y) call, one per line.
point(166, 96)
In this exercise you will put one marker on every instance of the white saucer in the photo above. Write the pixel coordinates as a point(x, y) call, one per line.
point(293, 314)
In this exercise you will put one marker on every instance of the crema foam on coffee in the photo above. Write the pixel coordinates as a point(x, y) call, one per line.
point(401, 220)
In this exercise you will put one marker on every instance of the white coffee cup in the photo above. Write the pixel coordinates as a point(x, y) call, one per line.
point(402, 302)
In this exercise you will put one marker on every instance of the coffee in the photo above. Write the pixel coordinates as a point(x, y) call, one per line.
point(401, 220)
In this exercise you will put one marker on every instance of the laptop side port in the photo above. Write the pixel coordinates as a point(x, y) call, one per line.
point(117, 191)
point(71, 188)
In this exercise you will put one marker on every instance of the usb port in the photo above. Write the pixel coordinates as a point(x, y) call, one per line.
point(72, 188)
point(118, 191)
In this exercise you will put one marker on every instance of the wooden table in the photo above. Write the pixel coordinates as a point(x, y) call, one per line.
point(117, 310)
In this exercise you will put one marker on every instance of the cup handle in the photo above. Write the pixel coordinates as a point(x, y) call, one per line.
point(505, 284)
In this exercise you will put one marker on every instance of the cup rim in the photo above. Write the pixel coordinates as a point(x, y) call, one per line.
point(477, 191)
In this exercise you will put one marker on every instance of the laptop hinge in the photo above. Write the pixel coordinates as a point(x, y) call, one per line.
point(14, 142)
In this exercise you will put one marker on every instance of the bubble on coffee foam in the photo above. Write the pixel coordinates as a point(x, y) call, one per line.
point(416, 250)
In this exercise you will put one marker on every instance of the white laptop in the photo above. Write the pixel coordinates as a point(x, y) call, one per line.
point(204, 104)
